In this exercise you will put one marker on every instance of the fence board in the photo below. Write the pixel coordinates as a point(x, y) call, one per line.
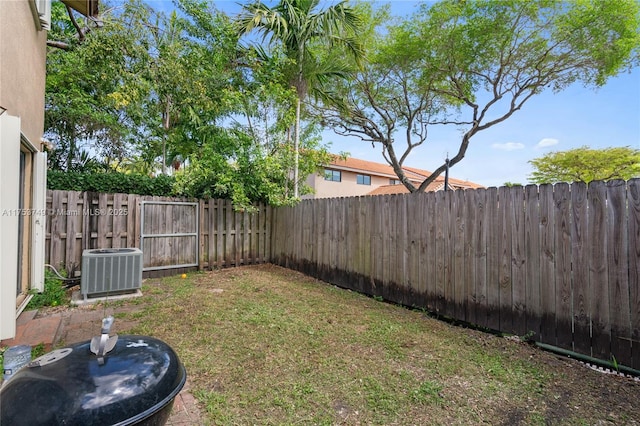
point(245, 238)
point(253, 232)
point(580, 268)
point(440, 252)
point(402, 253)
point(354, 251)
point(319, 229)
point(493, 260)
point(203, 250)
point(372, 221)
point(365, 241)
point(334, 241)
point(480, 241)
point(103, 225)
point(296, 234)
point(229, 236)
point(428, 250)
point(633, 201)
point(505, 277)
point(86, 222)
point(119, 228)
point(72, 217)
point(348, 257)
point(325, 207)
point(564, 300)
point(386, 241)
point(220, 235)
point(264, 242)
point(237, 235)
point(617, 269)
point(449, 253)
point(459, 225)
point(57, 251)
point(377, 279)
point(257, 230)
point(132, 220)
point(547, 272)
point(467, 270)
point(342, 237)
point(138, 224)
point(276, 225)
point(416, 232)
point(531, 283)
point(598, 291)
point(518, 260)
point(332, 230)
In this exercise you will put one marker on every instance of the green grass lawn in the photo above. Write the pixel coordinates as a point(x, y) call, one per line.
point(268, 346)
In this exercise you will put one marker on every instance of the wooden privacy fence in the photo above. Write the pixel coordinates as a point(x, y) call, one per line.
point(88, 220)
point(233, 238)
point(169, 234)
point(560, 262)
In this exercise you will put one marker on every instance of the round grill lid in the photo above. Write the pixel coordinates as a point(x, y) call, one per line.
point(72, 386)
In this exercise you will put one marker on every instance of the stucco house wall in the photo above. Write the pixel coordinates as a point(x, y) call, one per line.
point(348, 187)
point(23, 170)
point(22, 67)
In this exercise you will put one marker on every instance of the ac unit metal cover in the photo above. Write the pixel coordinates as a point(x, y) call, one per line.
point(106, 271)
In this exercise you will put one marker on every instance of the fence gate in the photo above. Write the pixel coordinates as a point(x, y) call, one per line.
point(169, 234)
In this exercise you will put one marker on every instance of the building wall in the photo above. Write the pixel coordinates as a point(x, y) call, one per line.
point(22, 88)
point(22, 68)
point(347, 187)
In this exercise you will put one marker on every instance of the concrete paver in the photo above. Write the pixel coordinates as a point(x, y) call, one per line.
point(33, 331)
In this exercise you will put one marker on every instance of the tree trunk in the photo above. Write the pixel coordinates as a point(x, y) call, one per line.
point(72, 151)
point(166, 124)
point(296, 144)
point(164, 153)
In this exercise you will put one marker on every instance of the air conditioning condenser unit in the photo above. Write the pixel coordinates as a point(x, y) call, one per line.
point(110, 271)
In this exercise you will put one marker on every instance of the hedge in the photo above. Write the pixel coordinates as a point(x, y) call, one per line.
point(111, 182)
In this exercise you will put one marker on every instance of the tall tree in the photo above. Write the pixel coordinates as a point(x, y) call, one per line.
point(249, 160)
point(297, 25)
point(144, 84)
point(80, 112)
point(474, 64)
point(190, 77)
point(586, 165)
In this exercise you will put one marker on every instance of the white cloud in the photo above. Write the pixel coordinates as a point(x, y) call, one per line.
point(509, 146)
point(547, 142)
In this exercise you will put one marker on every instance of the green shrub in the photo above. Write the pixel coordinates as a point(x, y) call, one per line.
point(111, 182)
point(54, 293)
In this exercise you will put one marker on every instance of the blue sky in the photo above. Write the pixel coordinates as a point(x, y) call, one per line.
point(598, 118)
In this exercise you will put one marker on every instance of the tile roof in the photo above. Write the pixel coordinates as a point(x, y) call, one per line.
point(356, 164)
point(413, 174)
point(401, 189)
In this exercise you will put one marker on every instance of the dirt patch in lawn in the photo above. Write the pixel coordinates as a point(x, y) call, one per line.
point(266, 345)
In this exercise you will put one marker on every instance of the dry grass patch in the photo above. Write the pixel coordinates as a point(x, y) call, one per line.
point(266, 345)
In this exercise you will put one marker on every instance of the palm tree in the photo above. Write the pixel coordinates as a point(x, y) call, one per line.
point(295, 25)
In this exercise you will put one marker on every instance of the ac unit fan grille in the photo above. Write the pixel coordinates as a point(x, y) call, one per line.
point(110, 271)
